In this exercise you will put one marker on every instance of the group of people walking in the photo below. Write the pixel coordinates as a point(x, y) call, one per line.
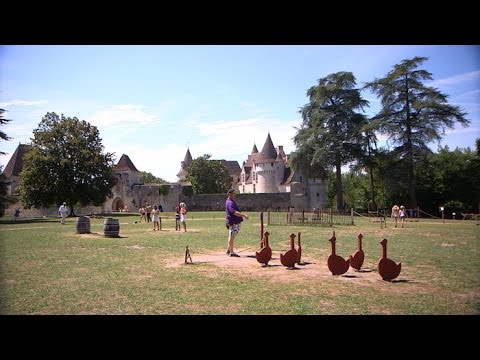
point(399, 213)
point(150, 213)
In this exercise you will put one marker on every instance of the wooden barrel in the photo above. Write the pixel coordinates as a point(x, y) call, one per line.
point(83, 225)
point(111, 227)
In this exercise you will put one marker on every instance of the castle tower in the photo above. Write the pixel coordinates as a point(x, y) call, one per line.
point(268, 169)
point(183, 168)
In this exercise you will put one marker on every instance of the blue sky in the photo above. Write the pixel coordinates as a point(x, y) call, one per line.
point(153, 102)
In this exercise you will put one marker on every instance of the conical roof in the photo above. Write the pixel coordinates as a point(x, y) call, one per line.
point(15, 164)
point(125, 164)
point(268, 152)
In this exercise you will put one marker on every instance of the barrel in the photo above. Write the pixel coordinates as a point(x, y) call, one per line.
point(83, 225)
point(111, 227)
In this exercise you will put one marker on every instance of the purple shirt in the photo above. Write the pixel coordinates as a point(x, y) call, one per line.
point(230, 207)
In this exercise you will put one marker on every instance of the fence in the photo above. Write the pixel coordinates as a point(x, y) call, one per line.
point(311, 218)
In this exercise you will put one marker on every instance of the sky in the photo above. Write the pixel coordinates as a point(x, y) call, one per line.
point(154, 102)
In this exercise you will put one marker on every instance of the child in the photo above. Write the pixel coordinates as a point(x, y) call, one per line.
point(403, 214)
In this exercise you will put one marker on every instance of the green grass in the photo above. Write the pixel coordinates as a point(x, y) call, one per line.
point(47, 268)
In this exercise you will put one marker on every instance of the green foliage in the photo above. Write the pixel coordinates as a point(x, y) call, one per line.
point(208, 176)
point(3, 121)
point(412, 115)
point(452, 177)
point(66, 163)
point(149, 178)
point(187, 190)
point(331, 131)
point(5, 200)
point(164, 190)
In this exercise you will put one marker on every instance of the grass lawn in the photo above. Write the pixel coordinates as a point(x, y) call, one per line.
point(47, 268)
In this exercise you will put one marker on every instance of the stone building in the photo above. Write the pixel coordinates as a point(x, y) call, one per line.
point(266, 172)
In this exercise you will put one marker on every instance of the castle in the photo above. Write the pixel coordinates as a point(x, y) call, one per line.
point(266, 172)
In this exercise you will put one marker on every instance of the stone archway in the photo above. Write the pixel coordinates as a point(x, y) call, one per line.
point(117, 204)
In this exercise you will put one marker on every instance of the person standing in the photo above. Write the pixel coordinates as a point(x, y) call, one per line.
point(183, 216)
point(148, 210)
point(156, 218)
point(402, 214)
point(395, 211)
point(177, 218)
point(233, 218)
point(62, 210)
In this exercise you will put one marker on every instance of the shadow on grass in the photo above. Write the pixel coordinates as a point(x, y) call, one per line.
point(29, 221)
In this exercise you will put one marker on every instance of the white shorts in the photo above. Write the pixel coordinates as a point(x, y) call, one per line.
point(234, 229)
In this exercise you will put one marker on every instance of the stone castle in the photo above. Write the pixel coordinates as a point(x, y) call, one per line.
point(265, 181)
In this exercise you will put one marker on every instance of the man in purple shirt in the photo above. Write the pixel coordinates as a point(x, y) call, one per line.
point(233, 217)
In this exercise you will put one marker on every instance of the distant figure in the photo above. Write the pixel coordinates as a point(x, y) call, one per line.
point(395, 213)
point(63, 210)
point(156, 218)
point(148, 210)
point(177, 218)
point(183, 215)
point(160, 207)
point(402, 213)
point(141, 211)
point(16, 215)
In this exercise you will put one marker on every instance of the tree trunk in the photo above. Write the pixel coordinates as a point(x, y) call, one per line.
point(338, 174)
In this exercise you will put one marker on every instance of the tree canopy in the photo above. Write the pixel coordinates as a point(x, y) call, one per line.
point(412, 114)
point(330, 133)
point(66, 163)
point(149, 178)
point(3, 121)
point(208, 176)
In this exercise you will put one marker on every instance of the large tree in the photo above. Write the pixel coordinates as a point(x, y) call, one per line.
point(5, 199)
point(66, 163)
point(208, 176)
point(3, 135)
point(412, 114)
point(330, 134)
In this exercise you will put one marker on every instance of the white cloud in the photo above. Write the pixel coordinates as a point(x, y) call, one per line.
point(123, 115)
point(23, 103)
point(455, 80)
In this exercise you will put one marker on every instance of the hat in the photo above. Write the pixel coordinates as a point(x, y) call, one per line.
point(231, 191)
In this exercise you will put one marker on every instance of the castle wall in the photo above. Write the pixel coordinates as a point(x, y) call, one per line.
point(246, 202)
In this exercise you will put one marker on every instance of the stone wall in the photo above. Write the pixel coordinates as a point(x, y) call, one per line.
point(246, 202)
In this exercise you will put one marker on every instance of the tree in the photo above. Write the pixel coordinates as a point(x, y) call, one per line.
point(3, 121)
point(330, 134)
point(208, 176)
point(66, 163)
point(412, 114)
point(5, 200)
point(149, 178)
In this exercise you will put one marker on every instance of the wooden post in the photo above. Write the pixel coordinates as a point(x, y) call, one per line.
point(261, 227)
point(187, 255)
